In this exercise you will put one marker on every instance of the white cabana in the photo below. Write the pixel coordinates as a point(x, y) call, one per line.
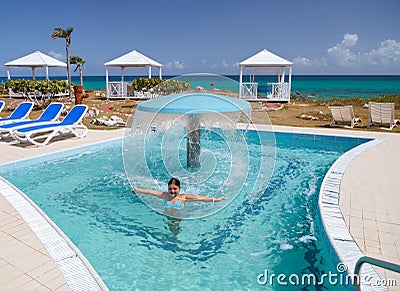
point(131, 59)
point(266, 62)
point(35, 60)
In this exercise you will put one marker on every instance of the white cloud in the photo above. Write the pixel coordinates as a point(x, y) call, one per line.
point(341, 53)
point(343, 57)
point(176, 65)
point(56, 55)
point(222, 64)
point(303, 61)
point(349, 40)
point(309, 63)
point(387, 53)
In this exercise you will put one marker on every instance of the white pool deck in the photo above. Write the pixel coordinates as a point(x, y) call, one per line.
point(369, 202)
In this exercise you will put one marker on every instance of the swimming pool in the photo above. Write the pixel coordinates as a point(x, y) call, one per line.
point(134, 247)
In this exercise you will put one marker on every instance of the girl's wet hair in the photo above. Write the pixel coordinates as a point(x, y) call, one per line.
point(174, 181)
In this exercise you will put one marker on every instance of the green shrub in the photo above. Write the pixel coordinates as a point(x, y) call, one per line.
point(158, 86)
point(43, 86)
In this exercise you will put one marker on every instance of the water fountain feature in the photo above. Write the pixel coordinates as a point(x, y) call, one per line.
point(195, 136)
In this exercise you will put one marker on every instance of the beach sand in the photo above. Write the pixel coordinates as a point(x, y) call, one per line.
point(301, 113)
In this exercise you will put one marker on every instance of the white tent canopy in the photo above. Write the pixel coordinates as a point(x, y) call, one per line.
point(131, 59)
point(266, 59)
point(35, 60)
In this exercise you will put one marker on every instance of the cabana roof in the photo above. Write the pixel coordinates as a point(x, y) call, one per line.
point(33, 61)
point(265, 59)
point(266, 62)
point(133, 59)
point(36, 59)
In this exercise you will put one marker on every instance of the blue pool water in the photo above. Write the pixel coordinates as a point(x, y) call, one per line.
point(133, 247)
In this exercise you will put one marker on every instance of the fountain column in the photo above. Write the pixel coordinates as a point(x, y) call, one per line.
point(193, 141)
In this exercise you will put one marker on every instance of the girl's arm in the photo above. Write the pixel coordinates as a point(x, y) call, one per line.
point(189, 197)
point(147, 191)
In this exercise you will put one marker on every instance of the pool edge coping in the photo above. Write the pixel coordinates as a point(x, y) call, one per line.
point(346, 250)
point(66, 256)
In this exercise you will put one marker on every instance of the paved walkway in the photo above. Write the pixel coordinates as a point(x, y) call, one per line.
point(369, 200)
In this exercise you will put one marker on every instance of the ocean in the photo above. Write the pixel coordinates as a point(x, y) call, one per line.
point(319, 86)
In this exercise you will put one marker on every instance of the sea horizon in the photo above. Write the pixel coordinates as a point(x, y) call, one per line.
point(319, 86)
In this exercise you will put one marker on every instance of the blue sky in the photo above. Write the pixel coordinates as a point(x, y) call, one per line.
point(318, 36)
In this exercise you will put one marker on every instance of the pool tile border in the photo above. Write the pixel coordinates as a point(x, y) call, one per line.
point(344, 250)
point(75, 268)
point(58, 155)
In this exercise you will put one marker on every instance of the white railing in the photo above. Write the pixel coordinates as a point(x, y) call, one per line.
point(120, 90)
point(275, 92)
point(249, 90)
point(279, 92)
point(117, 90)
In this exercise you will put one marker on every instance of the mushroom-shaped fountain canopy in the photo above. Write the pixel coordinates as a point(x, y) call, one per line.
point(197, 103)
point(193, 111)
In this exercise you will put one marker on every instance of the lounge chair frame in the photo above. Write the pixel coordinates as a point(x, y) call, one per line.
point(49, 131)
point(381, 113)
point(343, 114)
point(21, 112)
point(2, 104)
point(47, 117)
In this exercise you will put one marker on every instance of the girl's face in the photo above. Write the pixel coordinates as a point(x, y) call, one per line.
point(173, 190)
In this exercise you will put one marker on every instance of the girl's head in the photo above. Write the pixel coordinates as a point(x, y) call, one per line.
point(174, 186)
point(174, 181)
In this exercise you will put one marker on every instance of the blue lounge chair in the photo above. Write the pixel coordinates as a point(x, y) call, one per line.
point(2, 103)
point(71, 123)
point(51, 113)
point(21, 112)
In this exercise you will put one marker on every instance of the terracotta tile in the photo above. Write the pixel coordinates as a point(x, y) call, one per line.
point(371, 234)
point(9, 247)
point(357, 231)
point(49, 276)
point(372, 243)
point(373, 250)
point(64, 287)
point(8, 273)
point(9, 222)
point(383, 226)
point(58, 283)
point(386, 237)
point(374, 255)
point(32, 285)
point(30, 262)
point(389, 250)
point(42, 269)
point(368, 214)
point(20, 281)
point(17, 251)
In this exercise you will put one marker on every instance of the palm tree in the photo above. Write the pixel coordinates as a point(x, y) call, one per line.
point(79, 62)
point(65, 33)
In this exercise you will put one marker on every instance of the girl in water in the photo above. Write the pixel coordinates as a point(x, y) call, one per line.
point(172, 198)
